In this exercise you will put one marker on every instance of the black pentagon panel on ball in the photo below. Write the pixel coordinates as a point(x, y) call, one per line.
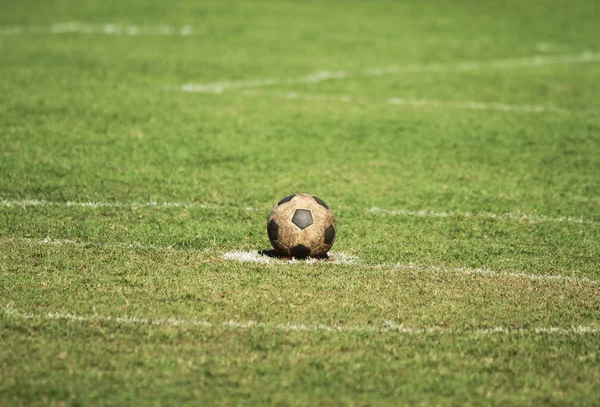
point(302, 218)
point(321, 202)
point(300, 251)
point(273, 230)
point(329, 234)
point(286, 199)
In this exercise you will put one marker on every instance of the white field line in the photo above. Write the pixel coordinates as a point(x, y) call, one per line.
point(386, 327)
point(69, 242)
point(343, 258)
point(97, 29)
point(491, 273)
point(543, 46)
point(133, 30)
point(473, 105)
point(426, 213)
point(469, 105)
point(100, 204)
point(336, 258)
point(321, 76)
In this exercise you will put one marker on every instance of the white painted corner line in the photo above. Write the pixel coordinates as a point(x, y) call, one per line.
point(430, 103)
point(386, 327)
point(343, 258)
point(464, 66)
point(97, 29)
point(514, 216)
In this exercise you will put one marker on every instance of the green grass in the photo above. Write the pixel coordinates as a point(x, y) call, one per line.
point(101, 118)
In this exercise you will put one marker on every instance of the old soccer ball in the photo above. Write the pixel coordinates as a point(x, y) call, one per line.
point(301, 225)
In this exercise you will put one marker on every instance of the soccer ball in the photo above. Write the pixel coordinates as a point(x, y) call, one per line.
point(301, 225)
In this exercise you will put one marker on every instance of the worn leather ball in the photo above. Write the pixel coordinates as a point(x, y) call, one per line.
point(301, 225)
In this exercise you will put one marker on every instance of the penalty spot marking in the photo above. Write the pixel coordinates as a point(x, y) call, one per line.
point(386, 327)
point(256, 257)
point(399, 212)
point(465, 66)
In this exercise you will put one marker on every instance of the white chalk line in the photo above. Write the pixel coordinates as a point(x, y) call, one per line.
point(465, 66)
point(517, 216)
point(492, 273)
point(343, 258)
point(100, 204)
point(550, 47)
point(468, 105)
point(426, 213)
point(47, 241)
point(335, 258)
point(386, 327)
point(185, 30)
point(97, 29)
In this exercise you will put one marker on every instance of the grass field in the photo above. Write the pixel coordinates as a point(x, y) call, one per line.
point(143, 144)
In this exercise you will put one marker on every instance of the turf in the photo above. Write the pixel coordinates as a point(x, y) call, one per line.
point(471, 209)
